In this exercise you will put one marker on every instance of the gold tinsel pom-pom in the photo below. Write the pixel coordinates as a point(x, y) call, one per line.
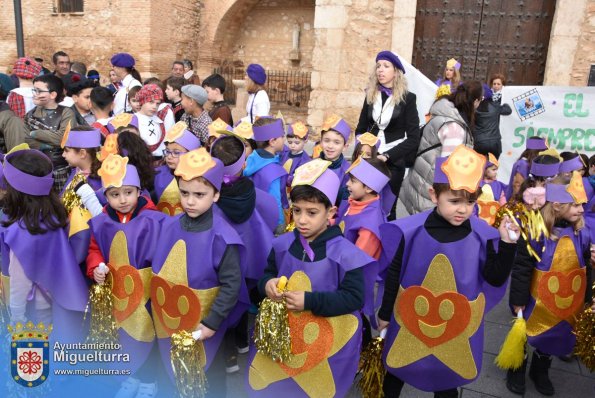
point(584, 330)
point(187, 359)
point(372, 368)
point(103, 327)
point(512, 353)
point(70, 199)
point(271, 329)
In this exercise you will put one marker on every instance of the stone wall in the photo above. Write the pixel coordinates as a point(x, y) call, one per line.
point(585, 54)
point(155, 32)
point(348, 34)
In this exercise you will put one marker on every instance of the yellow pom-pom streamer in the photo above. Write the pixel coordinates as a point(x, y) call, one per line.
point(70, 199)
point(512, 353)
point(103, 327)
point(271, 329)
point(187, 361)
point(372, 368)
point(585, 337)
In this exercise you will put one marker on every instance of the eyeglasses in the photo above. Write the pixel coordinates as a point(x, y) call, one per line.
point(37, 91)
point(175, 154)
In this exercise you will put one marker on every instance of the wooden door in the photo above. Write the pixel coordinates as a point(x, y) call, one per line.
point(485, 36)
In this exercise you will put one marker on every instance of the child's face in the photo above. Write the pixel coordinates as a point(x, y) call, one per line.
point(213, 94)
point(123, 199)
point(150, 108)
point(357, 190)
point(332, 145)
point(296, 145)
point(188, 104)
point(496, 85)
point(449, 73)
point(592, 170)
point(571, 212)
point(366, 151)
point(454, 209)
point(134, 104)
point(491, 173)
point(172, 154)
point(311, 219)
point(196, 196)
point(42, 95)
point(171, 94)
point(73, 157)
point(83, 99)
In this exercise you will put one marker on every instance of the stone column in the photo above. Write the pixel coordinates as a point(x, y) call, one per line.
point(404, 28)
point(239, 111)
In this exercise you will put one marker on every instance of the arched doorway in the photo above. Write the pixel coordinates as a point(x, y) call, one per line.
point(485, 36)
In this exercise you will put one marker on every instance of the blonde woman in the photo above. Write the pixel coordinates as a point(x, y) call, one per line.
point(390, 113)
point(258, 102)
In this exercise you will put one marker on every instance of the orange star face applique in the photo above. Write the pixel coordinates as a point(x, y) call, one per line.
point(576, 188)
point(175, 132)
point(194, 164)
point(313, 340)
point(113, 171)
point(121, 120)
point(436, 320)
point(464, 169)
point(110, 147)
point(244, 130)
point(217, 125)
point(559, 292)
point(307, 173)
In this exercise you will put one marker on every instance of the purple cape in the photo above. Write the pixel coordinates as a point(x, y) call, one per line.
point(142, 237)
point(204, 251)
point(559, 339)
point(296, 162)
point(427, 372)
point(48, 261)
point(324, 275)
point(264, 177)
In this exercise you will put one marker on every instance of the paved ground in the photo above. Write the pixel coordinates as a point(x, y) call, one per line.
point(570, 379)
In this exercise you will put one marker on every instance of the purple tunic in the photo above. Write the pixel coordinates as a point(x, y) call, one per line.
point(337, 377)
point(548, 326)
point(264, 177)
point(462, 346)
point(141, 237)
point(163, 177)
point(194, 277)
point(48, 261)
point(269, 213)
point(296, 161)
point(521, 166)
point(590, 196)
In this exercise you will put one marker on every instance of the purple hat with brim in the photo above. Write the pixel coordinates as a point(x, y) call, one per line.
point(558, 193)
point(544, 170)
point(83, 139)
point(570, 165)
point(536, 143)
point(269, 131)
point(188, 140)
point(27, 183)
point(342, 128)
point(368, 175)
point(326, 182)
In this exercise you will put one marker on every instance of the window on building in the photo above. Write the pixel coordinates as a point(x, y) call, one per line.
point(70, 5)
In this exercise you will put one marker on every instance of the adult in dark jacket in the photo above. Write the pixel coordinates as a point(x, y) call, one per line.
point(486, 136)
point(390, 113)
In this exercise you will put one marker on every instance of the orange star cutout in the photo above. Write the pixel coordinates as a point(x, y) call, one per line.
point(464, 169)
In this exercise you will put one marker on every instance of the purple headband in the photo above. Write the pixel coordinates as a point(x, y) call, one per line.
point(231, 170)
point(558, 193)
point(83, 139)
point(188, 140)
point(536, 144)
point(328, 183)
point(439, 176)
point(269, 131)
point(369, 175)
point(130, 178)
point(544, 170)
point(215, 174)
point(26, 183)
point(2, 181)
point(570, 165)
point(342, 128)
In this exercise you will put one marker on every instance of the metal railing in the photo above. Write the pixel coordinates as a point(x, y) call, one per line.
point(284, 87)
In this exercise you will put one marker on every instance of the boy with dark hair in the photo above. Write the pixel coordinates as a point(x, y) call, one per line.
point(215, 86)
point(80, 91)
point(325, 292)
point(435, 298)
point(47, 122)
point(173, 92)
point(102, 104)
point(263, 167)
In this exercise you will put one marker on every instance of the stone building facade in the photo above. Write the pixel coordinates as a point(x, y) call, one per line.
point(336, 39)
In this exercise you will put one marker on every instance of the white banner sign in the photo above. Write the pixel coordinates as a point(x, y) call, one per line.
point(565, 116)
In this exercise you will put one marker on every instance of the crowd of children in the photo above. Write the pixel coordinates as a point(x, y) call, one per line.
point(192, 220)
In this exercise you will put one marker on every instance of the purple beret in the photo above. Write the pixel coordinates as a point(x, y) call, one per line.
point(123, 60)
point(256, 73)
point(392, 58)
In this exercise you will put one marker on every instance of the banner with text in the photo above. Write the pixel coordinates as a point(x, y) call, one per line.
point(565, 116)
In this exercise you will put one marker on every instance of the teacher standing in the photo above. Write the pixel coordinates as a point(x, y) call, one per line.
point(390, 113)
